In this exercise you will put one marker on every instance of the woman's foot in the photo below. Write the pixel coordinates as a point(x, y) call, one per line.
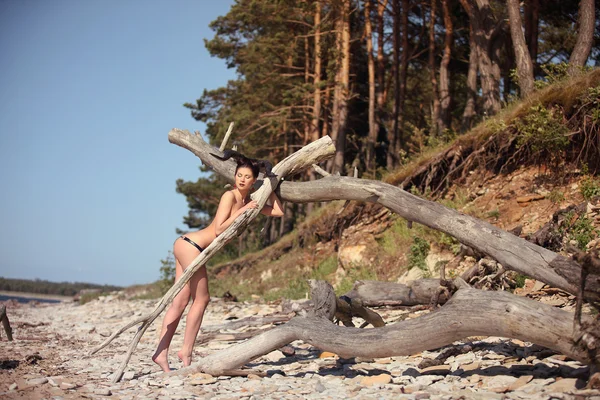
point(185, 359)
point(162, 361)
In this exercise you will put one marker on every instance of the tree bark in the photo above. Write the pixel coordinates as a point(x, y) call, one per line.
point(586, 21)
point(469, 111)
point(376, 294)
point(392, 134)
point(373, 128)
point(445, 98)
point(483, 24)
point(532, 22)
point(291, 165)
point(511, 251)
point(435, 96)
point(342, 89)
point(470, 312)
point(522, 57)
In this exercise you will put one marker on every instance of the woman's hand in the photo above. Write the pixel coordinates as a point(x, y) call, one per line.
point(251, 205)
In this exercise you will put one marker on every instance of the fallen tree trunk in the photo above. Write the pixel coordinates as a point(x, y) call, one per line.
point(315, 152)
point(511, 251)
point(376, 293)
point(470, 312)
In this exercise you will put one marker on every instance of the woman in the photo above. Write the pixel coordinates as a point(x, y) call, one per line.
point(187, 247)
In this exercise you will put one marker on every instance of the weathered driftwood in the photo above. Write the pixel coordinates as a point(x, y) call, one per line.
point(300, 160)
point(5, 322)
point(376, 293)
point(467, 313)
point(248, 321)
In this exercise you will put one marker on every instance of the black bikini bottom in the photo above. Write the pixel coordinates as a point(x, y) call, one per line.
point(190, 241)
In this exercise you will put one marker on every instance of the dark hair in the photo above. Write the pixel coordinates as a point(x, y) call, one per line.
point(245, 162)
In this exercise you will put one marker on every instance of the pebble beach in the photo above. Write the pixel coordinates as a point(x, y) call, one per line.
point(48, 359)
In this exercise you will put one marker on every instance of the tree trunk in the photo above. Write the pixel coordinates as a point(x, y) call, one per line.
point(373, 128)
point(445, 98)
point(511, 251)
point(316, 111)
point(470, 312)
point(532, 22)
point(469, 111)
point(586, 21)
point(435, 97)
point(342, 87)
point(381, 93)
point(522, 57)
point(377, 294)
point(483, 25)
point(403, 75)
point(392, 134)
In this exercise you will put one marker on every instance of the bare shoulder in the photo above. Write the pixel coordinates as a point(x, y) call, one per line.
point(228, 198)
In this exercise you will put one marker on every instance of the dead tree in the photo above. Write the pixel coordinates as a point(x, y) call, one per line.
point(313, 153)
point(511, 251)
point(470, 312)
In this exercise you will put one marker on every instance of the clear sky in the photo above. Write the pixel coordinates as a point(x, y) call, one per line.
point(88, 93)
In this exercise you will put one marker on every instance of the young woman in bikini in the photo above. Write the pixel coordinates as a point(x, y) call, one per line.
point(187, 247)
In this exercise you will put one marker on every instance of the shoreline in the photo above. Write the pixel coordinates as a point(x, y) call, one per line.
point(27, 295)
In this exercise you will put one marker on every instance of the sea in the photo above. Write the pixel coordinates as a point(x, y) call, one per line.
point(27, 299)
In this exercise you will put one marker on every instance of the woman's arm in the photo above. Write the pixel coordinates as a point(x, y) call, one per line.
point(273, 208)
point(224, 217)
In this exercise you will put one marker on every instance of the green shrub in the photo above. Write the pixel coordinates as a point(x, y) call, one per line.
point(581, 230)
point(325, 268)
point(589, 187)
point(542, 129)
point(356, 273)
point(556, 196)
point(495, 214)
point(167, 274)
point(418, 253)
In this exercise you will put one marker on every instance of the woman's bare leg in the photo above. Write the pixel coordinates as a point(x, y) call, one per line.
point(172, 317)
point(200, 299)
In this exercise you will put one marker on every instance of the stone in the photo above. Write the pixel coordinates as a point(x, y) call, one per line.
point(103, 392)
point(274, 356)
point(319, 387)
point(129, 375)
point(564, 385)
point(522, 381)
point(376, 379)
point(412, 275)
point(253, 377)
point(13, 386)
point(421, 395)
point(201, 379)
point(327, 354)
point(67, 385)
point(37, 381)
point(436, 370)
point(529, 198)
point(470, 367)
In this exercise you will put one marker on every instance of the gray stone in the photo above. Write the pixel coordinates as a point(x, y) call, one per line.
point(37, 381)
point(103, 392)
point(13, 386)
point(319, 387)
point(129, 375)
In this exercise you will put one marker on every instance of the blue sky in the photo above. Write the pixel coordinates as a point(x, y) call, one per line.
point(89, 92)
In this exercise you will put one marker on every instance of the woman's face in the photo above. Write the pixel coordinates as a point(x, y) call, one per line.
point(244, 178)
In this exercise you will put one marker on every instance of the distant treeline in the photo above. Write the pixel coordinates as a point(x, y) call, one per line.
point(47, 287)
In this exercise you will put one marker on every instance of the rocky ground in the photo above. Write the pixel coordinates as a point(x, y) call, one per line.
point(47, 360)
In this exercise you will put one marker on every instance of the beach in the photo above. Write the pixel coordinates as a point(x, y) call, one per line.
point(49, 359)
